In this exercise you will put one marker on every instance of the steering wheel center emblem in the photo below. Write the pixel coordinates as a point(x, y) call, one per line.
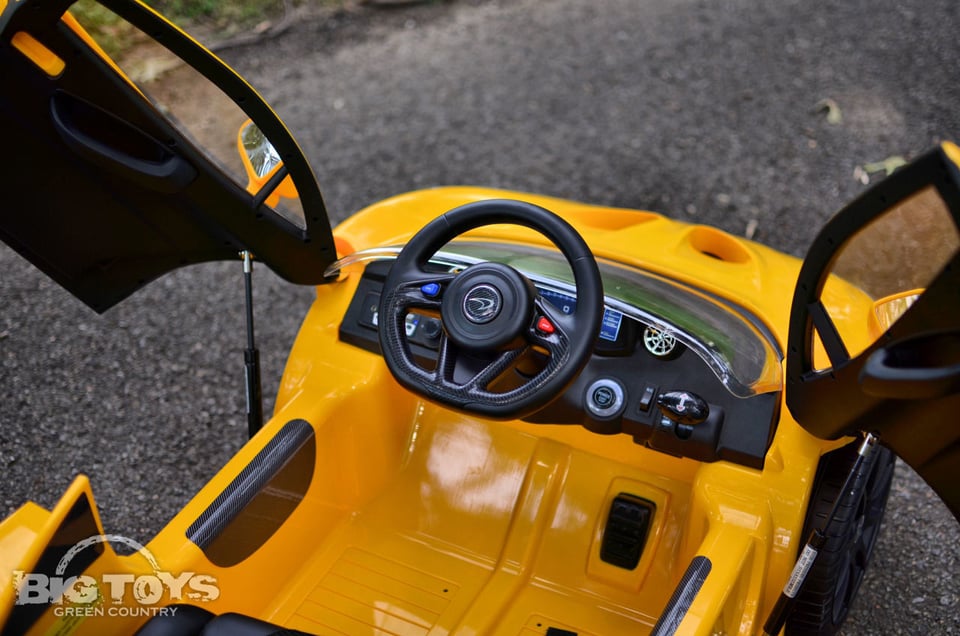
point(482, 304)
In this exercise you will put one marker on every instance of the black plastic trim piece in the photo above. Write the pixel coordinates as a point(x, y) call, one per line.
point(113, 145)
point(829, 336)
point(683, 597)
point(259, 499)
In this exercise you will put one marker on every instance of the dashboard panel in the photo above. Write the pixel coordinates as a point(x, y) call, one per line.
point(637, 377)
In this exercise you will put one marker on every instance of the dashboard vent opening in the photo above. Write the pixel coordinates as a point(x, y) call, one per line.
point(718, 245)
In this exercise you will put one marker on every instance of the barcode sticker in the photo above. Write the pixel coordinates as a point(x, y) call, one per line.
point(800, 570)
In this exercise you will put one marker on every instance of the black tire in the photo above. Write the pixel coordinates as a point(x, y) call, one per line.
point(832, 584)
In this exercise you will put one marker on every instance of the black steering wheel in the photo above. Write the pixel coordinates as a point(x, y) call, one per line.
point(491, 315)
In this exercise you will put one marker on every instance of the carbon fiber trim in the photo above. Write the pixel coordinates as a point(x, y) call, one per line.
point(683, 597)
point(259, 499)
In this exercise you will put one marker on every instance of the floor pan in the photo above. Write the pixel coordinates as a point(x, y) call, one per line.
point(486, 530)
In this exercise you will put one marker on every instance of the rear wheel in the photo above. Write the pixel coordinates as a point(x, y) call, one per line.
point(834, 579)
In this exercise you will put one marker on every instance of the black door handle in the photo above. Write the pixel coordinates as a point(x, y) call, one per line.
point(114, 145)
point(916, 368)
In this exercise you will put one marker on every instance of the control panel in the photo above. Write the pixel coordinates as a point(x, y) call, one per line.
point(641, 381)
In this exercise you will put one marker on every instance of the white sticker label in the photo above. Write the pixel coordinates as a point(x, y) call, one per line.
point(800, 570)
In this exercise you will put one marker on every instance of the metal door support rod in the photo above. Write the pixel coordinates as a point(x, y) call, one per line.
point(816, 541)
point(251, 357)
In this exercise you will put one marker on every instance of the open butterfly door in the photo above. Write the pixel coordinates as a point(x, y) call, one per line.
point(107, 185)
point(896, 370)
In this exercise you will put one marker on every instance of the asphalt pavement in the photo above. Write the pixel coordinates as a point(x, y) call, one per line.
point(753, 116)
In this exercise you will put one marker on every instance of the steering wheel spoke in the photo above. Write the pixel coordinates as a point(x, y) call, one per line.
point(422, 289)
point(502, 363)
point(453, 362)
point(447, 356)
point(553, 343)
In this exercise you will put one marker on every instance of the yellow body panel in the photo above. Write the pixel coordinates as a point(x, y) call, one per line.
point(421, 520)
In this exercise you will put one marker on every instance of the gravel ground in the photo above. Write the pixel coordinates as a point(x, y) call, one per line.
point(707, 111)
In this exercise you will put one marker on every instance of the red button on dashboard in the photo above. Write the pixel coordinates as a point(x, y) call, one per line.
point(545, 326)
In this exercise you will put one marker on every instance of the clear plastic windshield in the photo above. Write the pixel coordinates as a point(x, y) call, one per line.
point(741, 357)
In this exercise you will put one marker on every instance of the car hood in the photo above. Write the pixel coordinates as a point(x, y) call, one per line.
point(104, 192)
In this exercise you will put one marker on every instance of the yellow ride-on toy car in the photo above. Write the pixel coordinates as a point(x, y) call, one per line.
point(504, 413)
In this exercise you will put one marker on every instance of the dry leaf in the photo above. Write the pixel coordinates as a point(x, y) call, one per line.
point(888, 165)
point(829, 106)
